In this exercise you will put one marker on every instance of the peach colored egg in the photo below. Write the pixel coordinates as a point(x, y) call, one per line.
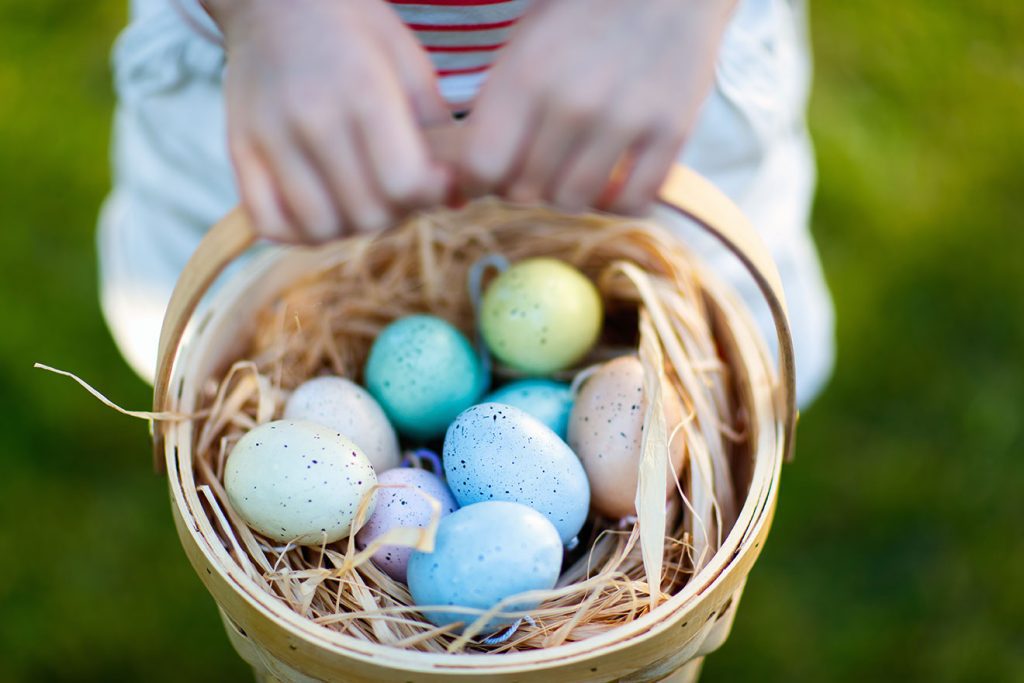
point(606, 431)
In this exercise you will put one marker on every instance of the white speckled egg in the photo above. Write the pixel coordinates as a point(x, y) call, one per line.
point(606, 430)
point(403, 507)
point(484, 553)
point(347, 408)
point(547, 400)
point(292, 480)
point(497, 452)
point(424, 372)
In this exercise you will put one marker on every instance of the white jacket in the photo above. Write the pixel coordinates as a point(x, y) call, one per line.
point(173, 178)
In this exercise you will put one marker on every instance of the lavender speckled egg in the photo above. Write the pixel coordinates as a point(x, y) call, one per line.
point(347, 408)
point(402, 507)
point(545, 399)
point(483, 554)
point(497, 452)
point(424, 372)
point(297, 481)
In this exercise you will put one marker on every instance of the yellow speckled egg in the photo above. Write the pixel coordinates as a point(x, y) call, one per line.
point(540, 315)
point(606, 431)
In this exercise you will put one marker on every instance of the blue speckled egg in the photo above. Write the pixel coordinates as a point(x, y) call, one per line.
point(403, 507)
point(547, 400)
point(423, 372)
point(484, 553)
point(494, 451)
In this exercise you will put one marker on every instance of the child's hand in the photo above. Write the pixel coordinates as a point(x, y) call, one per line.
point(584, 85)
point(325, 103)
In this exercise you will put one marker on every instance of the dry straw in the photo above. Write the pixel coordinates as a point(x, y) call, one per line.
point(660, 304)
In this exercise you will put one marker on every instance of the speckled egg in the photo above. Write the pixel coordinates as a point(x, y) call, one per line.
point(423, 372)
point(483, 554)
point(346, 407)
point(497, 452)
point(606, 430)
point(547, 400)
point(403, 507)
point(298, 481)
point(540, 315)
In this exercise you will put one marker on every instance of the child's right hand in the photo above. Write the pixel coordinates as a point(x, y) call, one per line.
point(326, 101)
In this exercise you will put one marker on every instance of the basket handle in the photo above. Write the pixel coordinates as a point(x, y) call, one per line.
point(683, 191)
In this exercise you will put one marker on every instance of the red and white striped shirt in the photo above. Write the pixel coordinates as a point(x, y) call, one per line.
point(462, 37)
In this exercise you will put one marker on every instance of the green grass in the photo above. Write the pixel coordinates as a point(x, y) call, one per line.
point(897, 552)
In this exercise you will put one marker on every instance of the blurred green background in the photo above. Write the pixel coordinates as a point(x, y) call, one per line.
point(897, 552)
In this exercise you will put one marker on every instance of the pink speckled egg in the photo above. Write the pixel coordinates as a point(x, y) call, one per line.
point(403, 507)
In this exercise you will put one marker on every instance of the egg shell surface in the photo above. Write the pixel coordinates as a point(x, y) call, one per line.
point(606, 432)
point(540, 315)
point(403, 507)
point(299, 481)
point(423, 372)
point(547, 400)
point(347, 408)
point(484, 553)
point(494, 451)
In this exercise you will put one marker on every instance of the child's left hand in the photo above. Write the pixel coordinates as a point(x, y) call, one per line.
point(588, 89)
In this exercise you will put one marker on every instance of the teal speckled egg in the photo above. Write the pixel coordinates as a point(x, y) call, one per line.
point(423, 372)
point(483, 554)
point(547, 400)
point(541, 315)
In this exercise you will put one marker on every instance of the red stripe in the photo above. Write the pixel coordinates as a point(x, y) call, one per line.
point(452, 3)
point(461, 72)
point(462, 27)
point(463, 48)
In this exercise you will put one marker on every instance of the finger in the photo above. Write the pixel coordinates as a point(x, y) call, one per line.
point(586, 176)
point(396, 151)
point(497, 135)
point(652, 163)
point(260, 197)
point(419, 81)
point(305, 197)
point(550, 148)
point(340, 160)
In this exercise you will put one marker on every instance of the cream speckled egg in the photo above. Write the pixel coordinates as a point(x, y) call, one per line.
point(606, 430)
point(298, 481)
point(346, 407)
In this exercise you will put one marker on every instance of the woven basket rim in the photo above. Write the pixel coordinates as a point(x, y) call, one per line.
point(754, 516)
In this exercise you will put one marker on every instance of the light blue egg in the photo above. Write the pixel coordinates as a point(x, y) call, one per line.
point(494, 451)
point(482, 554)
point(423, 372)
point(547, 400)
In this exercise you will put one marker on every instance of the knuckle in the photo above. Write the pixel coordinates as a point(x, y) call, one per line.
point(579, 107)
point(484, 170)
point(623, 121)
point(581, 188)
point(372, 220)
point(570, 199)
point(405, 186)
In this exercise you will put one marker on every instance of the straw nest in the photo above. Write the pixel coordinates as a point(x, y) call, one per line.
point(659, 303)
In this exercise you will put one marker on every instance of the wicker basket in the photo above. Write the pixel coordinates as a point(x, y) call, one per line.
point(668, 643)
